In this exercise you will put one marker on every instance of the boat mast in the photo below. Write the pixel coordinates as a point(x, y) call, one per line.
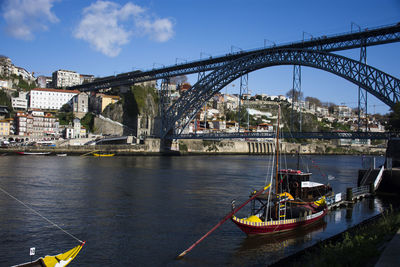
point(277, 151)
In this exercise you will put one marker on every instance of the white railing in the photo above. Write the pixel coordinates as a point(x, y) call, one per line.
point(378, 178)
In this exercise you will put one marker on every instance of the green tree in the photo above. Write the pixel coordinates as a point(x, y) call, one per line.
point(5, 100)
point(24, 84)
point(394, 118)
point(231, 115)
point(66, 108)
point(65, 115)
point(88, 121)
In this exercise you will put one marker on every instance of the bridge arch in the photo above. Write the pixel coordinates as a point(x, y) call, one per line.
point(380, 84)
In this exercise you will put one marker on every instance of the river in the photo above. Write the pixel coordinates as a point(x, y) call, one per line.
point(144, 211)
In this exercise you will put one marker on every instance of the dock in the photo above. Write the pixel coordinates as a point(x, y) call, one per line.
point(348, 198)
point(368, 184)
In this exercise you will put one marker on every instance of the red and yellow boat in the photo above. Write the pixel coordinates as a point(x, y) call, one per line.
point(296, 202)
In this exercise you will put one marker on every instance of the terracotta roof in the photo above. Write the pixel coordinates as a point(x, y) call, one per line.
point(56, 90)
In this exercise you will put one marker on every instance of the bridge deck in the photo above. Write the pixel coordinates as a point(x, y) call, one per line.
point(344, 41)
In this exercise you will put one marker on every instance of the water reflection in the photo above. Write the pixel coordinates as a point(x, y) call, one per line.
point(270, 248)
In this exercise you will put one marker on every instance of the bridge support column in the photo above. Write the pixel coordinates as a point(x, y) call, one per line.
point(164, 103)
point(362, 93)
point(296, 95)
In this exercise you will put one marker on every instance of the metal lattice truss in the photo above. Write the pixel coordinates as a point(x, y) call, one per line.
point(370, 37)
point(383, 86)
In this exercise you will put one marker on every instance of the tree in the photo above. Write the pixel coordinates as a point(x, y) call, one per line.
point(66, 108)
point(5, 100)
point(231, 115)
point(394, 118)
point(313, 100)
point(295, 95)
point(65, 114)
point(88, 121)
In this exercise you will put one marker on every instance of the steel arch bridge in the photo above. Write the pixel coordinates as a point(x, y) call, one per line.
point(378, 83)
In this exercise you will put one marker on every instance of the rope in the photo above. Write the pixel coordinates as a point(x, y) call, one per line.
point(52, 223)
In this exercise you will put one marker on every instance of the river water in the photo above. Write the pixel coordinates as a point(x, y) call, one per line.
point(144, 211)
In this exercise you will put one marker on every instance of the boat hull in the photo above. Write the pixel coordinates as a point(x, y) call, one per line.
point(275, 227)
point(103, 155)
point(33, 153)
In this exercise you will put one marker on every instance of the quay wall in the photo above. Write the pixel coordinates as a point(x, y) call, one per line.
point(195, 146)
point(151, 146)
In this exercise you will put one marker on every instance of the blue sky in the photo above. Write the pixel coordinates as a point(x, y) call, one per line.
point(108, 37)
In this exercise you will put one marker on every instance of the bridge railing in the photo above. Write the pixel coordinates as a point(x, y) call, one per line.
point(303, 135)
point(357, 191)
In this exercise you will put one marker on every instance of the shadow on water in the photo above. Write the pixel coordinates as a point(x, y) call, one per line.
point(262, 249)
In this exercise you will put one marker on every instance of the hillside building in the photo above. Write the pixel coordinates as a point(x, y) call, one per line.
point(53, 99)
point(7, 69)
point(21, 101)
point(65, 78)
point(80, 104)
point(36, 124)
point(98, 102)
point(5, 126)
point(44, 81)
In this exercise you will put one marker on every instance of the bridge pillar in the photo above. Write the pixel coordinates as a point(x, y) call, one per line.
point(362, 94)
point(296, 95)
point(164, 103)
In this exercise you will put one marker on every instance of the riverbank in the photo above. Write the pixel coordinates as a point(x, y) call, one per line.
point(203, 147)
point(268, 147)
point(152, 146)
point(360, 245)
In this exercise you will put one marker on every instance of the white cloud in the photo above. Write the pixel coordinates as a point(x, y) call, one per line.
point(24, 17)
point(160, 30)
point(107, 26)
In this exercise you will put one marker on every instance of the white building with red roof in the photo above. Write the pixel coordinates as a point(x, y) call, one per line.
point(53, 99)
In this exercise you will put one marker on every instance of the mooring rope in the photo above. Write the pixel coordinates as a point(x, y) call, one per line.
point(52, 223)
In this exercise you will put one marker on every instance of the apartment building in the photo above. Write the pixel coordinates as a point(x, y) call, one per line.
point(36, 124)
point(99, 102)
point(21, 101)
point(65, 78)
point(7, 68)
point(5, 127)
point(44, 81)
point(47, 98)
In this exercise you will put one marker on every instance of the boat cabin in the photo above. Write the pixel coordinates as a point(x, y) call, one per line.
point(298, 184)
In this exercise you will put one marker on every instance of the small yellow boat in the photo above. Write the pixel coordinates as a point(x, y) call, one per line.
point(103, 155)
